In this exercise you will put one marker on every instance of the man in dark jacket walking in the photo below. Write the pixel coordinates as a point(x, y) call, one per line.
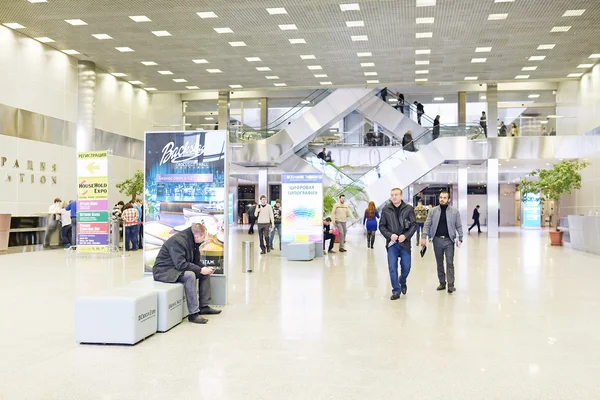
point(398, 225)
point(251, 217)
point(476, 215)
point(179, 261)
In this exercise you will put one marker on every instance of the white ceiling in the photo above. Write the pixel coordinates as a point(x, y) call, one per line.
point(460, 26)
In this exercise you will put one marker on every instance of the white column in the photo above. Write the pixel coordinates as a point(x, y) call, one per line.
point(263, 183)
point(86, 102)
point(223, 104)
point(463, 183)
point(492, 197)
point(492, 110)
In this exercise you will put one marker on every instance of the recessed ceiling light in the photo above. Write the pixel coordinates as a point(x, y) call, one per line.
point(320, 75)
point(533, 96)
point(263, 69)
point(438, 99)
point(192, 87)
point(497, 17)
point(125, 49)
point(422, 62)
point(305, 102)
point(276, 11)
point(253, 59)
point(546, 46)
point(75, 22)
point(200, 61)
point(369, 54)
point(577, 75)
point(209, 118)
point(44, 39)
point(207, 14)
point(14, 25)
point(149, 63)
point(165, 72)
point(119, 74)
point(140, 18)
point(314, 67)
point(150, 89)
point(297, 41)
point(560, 29)
point(483, 49)
point(370, 73)
point(136, 82)
point(424, 35)
point(237, 44)
point(471, 78)
point(478, 60)
point(350, 7)
point(366, 65)
point(522, 77)
point(594, 56)
point(279, 84)
point(504, 1)
point(422, 72)
point(426, 3)
point(102, 36)
point(537, 58)
point(213, 71)
point(355, 24)
point(529, 68)
point(236, 86)
point(326, 83)
point(161, 33)
point(585, 65)
point(421, 80)
point(359, 38)
point(372, 81)
point(272, 77)
point(71, 52)
point(423, 51)
point(37, 1)
point(308, 57)
point(179, 80)
point(428, 20)
point(483, 98)
point(288, 27)
point(223, 30)
point(573, 13)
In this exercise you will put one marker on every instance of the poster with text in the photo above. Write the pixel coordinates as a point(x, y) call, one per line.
point(302, 208)
point(92, 202)
point(532, 211)
point(185, 184)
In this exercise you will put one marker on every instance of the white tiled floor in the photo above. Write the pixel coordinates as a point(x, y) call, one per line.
point(522, 325)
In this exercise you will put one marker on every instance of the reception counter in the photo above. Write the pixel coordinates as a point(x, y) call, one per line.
point(584, 233)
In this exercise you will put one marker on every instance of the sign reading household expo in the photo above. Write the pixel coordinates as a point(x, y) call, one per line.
point(532, 210)
point(302, 206)
point(92, 202)
point(185, 184)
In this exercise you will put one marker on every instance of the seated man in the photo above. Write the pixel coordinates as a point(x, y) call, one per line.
point(328, 234)
point(179, 261)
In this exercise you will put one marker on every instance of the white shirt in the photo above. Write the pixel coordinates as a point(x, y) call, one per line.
point(65, 217)
point(55, 208)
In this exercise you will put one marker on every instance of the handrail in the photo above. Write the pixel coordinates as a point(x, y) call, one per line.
point(411, 106)
point(301, 104)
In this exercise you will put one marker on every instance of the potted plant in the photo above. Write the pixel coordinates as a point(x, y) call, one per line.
point(552, 183)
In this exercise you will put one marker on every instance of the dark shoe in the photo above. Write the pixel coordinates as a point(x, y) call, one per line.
point(395, 297)
point(342, 250)
point(263, 252)
point(209, 311)
point(197, 319)
point(404, 288)
point(480, 232)
point(441, 287)
point(331, 251)
point(268, 249)
point(451, 289)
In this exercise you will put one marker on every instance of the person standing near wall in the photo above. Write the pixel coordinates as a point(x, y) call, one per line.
point(265, 220)
point(277, 217)
point(421, 217)
point(444, 228)
point(476, 216)
point(370, 222)
point(72, 208)
point(339, 216)
point(53, 219)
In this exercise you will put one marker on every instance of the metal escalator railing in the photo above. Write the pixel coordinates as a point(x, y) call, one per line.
point(329, 170)
point(410, 107)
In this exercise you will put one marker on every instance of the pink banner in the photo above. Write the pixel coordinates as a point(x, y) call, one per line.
point(92, 205)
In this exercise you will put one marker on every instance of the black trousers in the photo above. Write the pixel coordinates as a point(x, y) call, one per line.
point(475, 223)
point(331, 238)
point(252, 222)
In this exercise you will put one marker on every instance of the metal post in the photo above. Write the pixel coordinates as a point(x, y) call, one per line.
point(248, 256)
point(124, 238)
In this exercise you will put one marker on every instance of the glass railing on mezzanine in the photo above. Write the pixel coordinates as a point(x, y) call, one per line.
point(334, 173)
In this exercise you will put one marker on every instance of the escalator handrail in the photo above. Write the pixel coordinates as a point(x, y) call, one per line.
point(410, 105)
point(300, 105)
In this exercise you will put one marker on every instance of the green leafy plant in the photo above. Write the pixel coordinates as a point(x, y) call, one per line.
point(552, 183)
point(132, 186)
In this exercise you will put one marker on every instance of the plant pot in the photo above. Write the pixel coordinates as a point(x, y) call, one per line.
point(556, 238)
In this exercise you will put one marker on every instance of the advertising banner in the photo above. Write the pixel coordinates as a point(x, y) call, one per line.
point(302, 208)
point(185, 184)
point(92, 202)
point(532, 211)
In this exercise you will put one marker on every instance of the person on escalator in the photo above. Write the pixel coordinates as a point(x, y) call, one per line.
point(322, 154)
point(369, 138)
point(383, 94)
point(436, 127)
point(483, 123)
point(400, 104)
point(328, 157)
point(408, 143)
point(420, 111)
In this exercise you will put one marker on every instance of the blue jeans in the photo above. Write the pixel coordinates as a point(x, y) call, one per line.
point(278, 230)
point(132, 236)
point(393, 253)
point(420, 226)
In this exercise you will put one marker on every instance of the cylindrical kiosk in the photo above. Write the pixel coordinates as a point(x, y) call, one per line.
point(248, 256)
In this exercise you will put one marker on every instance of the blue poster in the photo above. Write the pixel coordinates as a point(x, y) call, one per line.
point(532, 210)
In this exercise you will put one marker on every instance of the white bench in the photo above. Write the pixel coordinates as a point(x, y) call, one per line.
point(120, 316)
point(169, 301)
point(300, 251)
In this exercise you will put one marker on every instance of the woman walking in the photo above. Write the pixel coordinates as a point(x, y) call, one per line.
point(370, 221)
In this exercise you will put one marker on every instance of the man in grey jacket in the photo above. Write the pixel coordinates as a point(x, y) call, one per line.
point(444, 228)
point(179, 261)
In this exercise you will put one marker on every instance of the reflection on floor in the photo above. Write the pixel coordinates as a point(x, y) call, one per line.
point(522, 325)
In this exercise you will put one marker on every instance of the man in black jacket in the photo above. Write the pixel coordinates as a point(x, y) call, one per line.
point(179, 261)
point(476, 215)
point(398, 224)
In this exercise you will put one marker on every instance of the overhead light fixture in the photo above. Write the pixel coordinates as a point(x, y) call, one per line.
point(594, 56)
point(179, 80)
point(422, 72)
point(471, 78)
point(149, 63)
point(534, 96)
point(320, 75)
point(422, 62)
point(101, 36)
point(288, 27)
point(150, 89)
point(136, 82)
point(119, 74)
point(576, 75)
point(223, 30)
point(522, 77)
point(560, 29)
point(585, 65)
point(428, 20)
point(161, 33)
point(497, 17)
point(297, 41)
point(44, 39)
point(236, 86)
point(546, 46)
point(372, 81)
point(359, 38)
point(308, 57)
point(368, 64)
point(573, 13)
point(421, 80)
point(483, 98)
point(209, 118)
point(438, 99)
point(279, 84)
point(483, 49)
point(370, 73)
point(14, 25)
point(369, 54)
point(213, 71)
point(262, 69)
point(125, 49)
point(426, 3)
point(200, 61)
point(272, 77)
point(276, 11)
point(537, 58)
point(504, 1)
point(237, 44)
point(71, 52)
point(529, 68)
point(350, 7)
point(423, 51)
point(165, 72)
point(37, 1)
point(140, 18)
point(423, 35)
point(326, 83)
point(207, 14)
point(305, 102)
point(192, 87)
point(478, 60)
point(253, 59)
point(314, 67)
point(75, 22)
point(355, 24)
point(543, 122)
